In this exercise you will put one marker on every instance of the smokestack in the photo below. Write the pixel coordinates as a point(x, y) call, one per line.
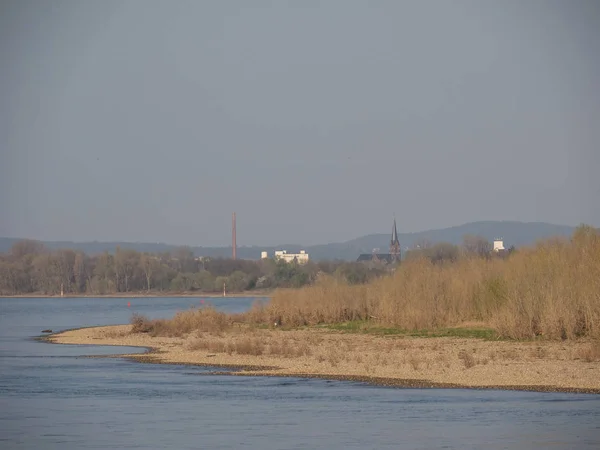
point(233, 237)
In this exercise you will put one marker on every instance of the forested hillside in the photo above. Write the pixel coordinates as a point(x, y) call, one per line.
point(515, 234)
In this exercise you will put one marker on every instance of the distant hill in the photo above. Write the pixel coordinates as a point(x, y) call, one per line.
point(513, 233)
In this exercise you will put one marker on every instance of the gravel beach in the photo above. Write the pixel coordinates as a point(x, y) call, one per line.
point(391, 361)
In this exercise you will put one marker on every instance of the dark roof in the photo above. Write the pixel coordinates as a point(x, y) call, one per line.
point(387, 257)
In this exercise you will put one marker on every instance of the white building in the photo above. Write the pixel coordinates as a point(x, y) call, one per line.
point(301, 258)
point(498, 245)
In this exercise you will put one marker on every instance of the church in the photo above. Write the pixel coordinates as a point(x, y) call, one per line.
point(389, 258)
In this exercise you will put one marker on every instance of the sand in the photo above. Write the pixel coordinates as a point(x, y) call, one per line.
point(390, 361)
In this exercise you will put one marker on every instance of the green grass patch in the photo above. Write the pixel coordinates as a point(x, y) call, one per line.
point(472, 333)
point(372, 328)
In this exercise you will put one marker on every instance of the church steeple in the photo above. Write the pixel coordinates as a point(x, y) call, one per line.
point(394, 243)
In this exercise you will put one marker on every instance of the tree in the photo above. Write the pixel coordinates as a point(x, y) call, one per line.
point(9, 276)
point(477, 246)
point(149, 265)
point(219, 283)
point(423, 244)
point(443, 252)
point(27, 247)
point(204, 281)
point(183, 282)
point(238, 281)
point(585, 235)
point(79, 272)
point(125, 263)
point(103, 280)
point(65, 262)
point(184, 259)
point(353, 273)
point(46, 273)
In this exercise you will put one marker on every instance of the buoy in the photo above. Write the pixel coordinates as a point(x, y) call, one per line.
point(202, 302)
point(128, 304)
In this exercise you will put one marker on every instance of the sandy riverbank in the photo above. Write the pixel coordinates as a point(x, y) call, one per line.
point(412, 362)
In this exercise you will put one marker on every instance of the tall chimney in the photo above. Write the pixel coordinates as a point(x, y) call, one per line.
point(233, 237)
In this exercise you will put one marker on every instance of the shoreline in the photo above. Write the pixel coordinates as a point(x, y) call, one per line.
point(249, 294)
point(416, 369)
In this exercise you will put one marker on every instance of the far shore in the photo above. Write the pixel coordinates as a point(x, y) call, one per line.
point(246, 294)
point(416, 362)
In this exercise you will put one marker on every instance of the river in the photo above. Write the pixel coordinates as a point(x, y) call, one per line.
point(54, 397)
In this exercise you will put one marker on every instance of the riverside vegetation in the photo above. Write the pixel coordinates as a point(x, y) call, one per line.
point(31, 268)
point(531, 319)
point(549, 291)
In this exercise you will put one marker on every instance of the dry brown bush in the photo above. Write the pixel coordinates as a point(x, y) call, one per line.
point(589, 353)
point(467, 358)
point(116, 333)
point(253, 346)
point(184, 322)
point(414, 362)
point(198, 344)
point(509, 354)
point(140, 324)
point(539, 352)
point(551, 290)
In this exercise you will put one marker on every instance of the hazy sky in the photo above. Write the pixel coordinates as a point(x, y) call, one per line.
point(314, 121)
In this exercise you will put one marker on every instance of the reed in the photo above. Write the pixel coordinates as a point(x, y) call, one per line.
point(184, 322)
point(550, 290)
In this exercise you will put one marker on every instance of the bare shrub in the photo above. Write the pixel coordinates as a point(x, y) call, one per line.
point(198, 344)
point(539, 352)
point(550, 290)
point(288, 349)
point(256, 314)
point(414, 362)
point(467, 358)
point(589, 353)
point(509, 354)
point(252, 347)
point(116, 333)
point(140, 323)
point(184, 322)
point(333, 357)
point(303, 349)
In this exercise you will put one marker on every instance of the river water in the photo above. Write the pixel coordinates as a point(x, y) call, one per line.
point(51, 397)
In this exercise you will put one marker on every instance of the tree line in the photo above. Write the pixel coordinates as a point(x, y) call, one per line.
point(441, 252)
point(29, 267)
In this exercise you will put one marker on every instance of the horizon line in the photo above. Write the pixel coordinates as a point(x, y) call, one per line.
point(116, 241)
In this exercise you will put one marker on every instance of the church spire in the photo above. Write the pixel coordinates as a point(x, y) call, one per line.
point(394, 243)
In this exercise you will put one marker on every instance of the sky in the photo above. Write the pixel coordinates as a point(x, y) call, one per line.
point(316, 122)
